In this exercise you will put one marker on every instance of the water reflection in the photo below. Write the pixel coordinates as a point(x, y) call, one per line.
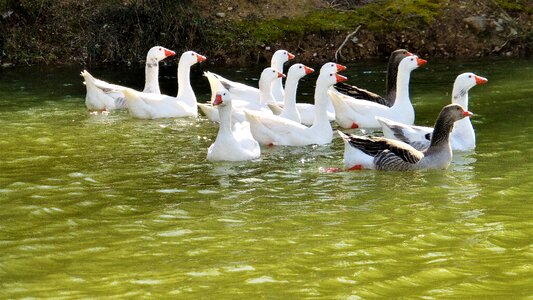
point(112, 206)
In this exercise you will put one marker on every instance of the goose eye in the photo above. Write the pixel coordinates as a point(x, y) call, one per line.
point(330, 74)
point(412, 59)
point(404, 52)
point(469, 76)
point(192, 54)
point(300, 67)
point(160, 49)
point(224, 94)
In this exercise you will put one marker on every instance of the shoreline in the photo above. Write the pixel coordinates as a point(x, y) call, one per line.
point(239, 32)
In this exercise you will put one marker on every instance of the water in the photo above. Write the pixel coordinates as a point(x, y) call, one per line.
point(105, 205)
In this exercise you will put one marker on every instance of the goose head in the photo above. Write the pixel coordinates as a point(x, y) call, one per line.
point(331, 78)
point(280, 57)
point(190, 58)
point(222, 98)
point(397, 55)
point(454, 112)
point(466, 81)
point(411, 62)
point(299, 70)
point(331, 67)
point(158, 53)
point(269, 74)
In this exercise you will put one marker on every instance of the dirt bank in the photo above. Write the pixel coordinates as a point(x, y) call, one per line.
point(241, 31)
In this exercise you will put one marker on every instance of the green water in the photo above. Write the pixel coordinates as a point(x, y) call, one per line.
point(105, 205)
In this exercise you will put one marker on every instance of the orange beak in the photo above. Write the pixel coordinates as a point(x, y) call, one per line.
point(200, 58)
point(340, 78)
point(421, 62)
point(218, 100)
point(409, 53)
point(291, 56)
point(340, 68)
point(466, 113)
point(481, 80)
point(169, 53)
point(281, 75)
point(308, 70)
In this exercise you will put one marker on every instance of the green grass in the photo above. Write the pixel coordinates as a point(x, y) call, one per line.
point(380, 16)
point(516, 5)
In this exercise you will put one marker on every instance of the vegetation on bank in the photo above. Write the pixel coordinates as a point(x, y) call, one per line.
point(377, 17)
point(238, 31)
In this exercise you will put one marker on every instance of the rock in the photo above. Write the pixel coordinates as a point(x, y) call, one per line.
point(477, 23)
point(7, 14)
point(497, 25)
point(220, 14)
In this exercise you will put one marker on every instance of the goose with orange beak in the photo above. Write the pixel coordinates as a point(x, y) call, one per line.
point(307, 110)
point(356, 113)
point(267, 77)
point(102, 95)
point(150, 106)
point(392, 75)
point(463, 136)
point(234, 142)
point(244, 92)
point(275, 130)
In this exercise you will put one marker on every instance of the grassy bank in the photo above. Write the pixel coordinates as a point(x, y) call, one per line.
point(239, 31)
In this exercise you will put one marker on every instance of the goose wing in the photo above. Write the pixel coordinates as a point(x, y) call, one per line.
point(359, 93)
point(374, 146)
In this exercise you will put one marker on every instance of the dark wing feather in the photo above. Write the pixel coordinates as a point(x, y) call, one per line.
point(404, 151)
point(358, 93)
point(398, 132)
point(374, 145)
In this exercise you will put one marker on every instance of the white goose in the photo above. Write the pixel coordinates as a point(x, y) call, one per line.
point(151, 106)
point(462, 138)
point(354, 113)
point(275, 130)
point(295, 73)
point(233, 142)
point(265, 94)
point(307, 110)
point(245, 92)
point(105, 96)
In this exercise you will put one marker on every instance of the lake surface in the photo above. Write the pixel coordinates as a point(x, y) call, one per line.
point(106, 205)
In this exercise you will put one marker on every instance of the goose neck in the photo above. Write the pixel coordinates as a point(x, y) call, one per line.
point(290, 92)
point(265, 92)
point(224, 113)
point(402, 87)
point(392, 78)
point(441, 132)
point(185, 91)
point(277, 65)
point(151, 71)
point(321, 102)
point(460, 96)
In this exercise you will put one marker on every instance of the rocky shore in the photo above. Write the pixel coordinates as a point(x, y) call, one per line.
point(244, 31)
